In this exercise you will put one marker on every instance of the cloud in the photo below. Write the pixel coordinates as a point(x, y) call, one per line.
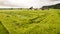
point(26, 3)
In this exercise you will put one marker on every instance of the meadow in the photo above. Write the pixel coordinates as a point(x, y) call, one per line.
point(30, 21)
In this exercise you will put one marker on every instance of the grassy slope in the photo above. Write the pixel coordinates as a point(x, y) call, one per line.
point(30, 21)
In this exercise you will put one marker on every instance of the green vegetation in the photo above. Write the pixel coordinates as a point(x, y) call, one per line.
point(30, 21)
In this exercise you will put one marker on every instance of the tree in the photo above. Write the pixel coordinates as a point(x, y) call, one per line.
point(31, 7)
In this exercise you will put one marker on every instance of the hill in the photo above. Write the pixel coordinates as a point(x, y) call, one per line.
point(57, 6)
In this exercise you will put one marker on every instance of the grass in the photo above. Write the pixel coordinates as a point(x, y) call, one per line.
point(30, 21)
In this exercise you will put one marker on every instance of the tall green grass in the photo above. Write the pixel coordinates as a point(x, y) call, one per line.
point(30, 21)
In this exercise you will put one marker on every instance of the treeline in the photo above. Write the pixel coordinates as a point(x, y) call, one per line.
point(10, 8)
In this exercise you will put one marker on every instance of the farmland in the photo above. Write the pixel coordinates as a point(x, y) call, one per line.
point(30, 21)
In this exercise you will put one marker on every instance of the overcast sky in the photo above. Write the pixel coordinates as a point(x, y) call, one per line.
point(26, 3)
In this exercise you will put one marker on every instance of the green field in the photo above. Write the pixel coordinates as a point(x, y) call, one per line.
point(30, 21)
